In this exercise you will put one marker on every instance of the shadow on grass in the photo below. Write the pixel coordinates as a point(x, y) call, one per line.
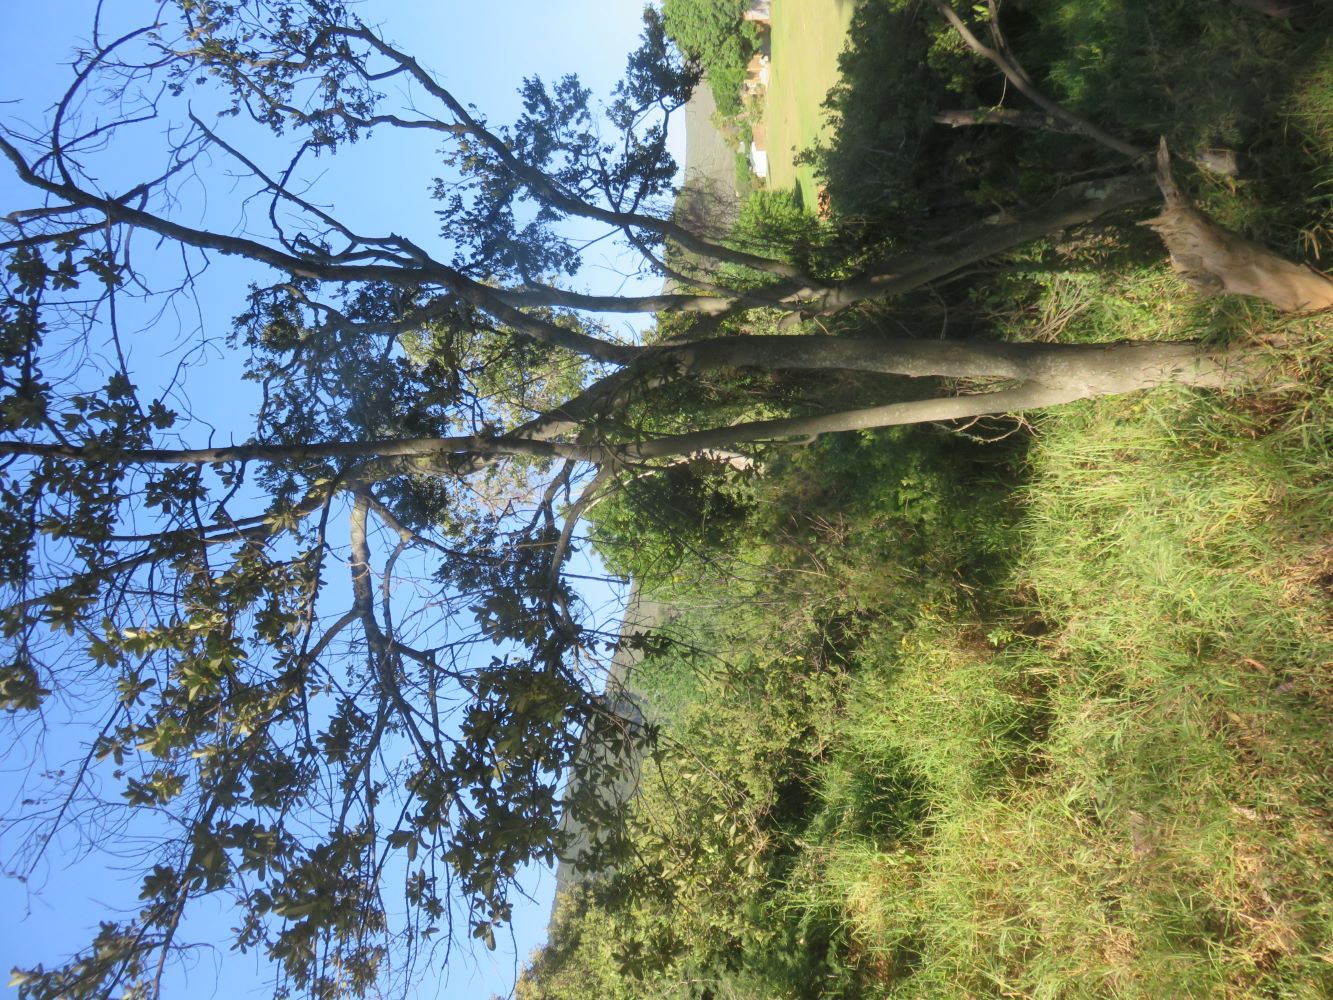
point(1204, 74)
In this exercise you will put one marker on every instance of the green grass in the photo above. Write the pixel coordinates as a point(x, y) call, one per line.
point(1098, 769)
point(1125, 777)
point(807, 37)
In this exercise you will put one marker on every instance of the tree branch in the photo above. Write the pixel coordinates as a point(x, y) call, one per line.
point(547, 190)
point(1019, 79)
point(423, 269)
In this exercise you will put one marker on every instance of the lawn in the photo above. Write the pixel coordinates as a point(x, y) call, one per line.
point(807, 37)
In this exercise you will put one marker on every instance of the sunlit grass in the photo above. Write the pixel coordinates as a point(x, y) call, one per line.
point(1119, 790)
point(807, 37)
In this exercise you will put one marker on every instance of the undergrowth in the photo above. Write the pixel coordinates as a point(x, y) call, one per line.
point(1042, 717)
point(1127, 773)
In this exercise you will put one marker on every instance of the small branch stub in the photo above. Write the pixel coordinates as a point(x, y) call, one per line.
point(1273, 8)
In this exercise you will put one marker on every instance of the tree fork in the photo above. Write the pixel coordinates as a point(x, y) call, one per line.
point(1048, 374)
point(1053, 378)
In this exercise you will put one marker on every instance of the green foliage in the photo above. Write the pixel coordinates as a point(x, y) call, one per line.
point(927, 500)
point(1110, 59)
point(20, 687)
point(218, 721)
point(773, 223)
point(1204, 76)
point(745, 179)
point(1309, 109)
point(704, 818)
point(713, 34)
point(579, 959)
point(655, 523)
point(851, 533)
point(1056, 728)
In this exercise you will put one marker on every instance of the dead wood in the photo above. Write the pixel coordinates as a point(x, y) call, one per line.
point(1005, 116)
point(1214, 260)
point(1273, 8)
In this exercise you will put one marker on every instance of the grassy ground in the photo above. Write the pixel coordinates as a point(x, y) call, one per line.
point(1121, 782)
point(807, 37)
point(1040, 718)
point(1049, 729)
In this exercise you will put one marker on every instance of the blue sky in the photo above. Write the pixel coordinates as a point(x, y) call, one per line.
point(481, 51)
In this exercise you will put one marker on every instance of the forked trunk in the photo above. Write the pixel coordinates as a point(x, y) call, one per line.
point(1038, 375)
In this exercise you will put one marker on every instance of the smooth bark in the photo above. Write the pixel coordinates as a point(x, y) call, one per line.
point(1048, 374)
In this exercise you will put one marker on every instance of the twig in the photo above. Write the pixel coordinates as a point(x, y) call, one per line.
point(1019, 79)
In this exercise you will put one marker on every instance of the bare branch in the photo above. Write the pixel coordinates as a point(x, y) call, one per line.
point(1015, 75)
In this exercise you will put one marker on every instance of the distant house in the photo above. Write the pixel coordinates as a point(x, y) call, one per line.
point(756, 74)
point(759, 10)
point(759, 153)
point(759, 162)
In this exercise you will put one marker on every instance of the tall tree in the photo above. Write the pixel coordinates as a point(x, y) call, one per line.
point(713, 34)
point(453, 406)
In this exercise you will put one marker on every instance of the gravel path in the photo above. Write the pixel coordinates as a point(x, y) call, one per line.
point(708, 202)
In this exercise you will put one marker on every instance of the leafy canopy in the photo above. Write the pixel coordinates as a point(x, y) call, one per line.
point(343, 649)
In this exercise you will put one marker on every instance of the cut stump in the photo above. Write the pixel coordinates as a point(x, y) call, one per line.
point(1214, 260)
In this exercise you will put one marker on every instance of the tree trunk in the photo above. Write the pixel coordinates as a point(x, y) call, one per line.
point(1048, 375)
point(1214, 260)
point(1005, 116)
point(1086, 369)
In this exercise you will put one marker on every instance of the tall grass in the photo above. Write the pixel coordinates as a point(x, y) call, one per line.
point(1121, 788)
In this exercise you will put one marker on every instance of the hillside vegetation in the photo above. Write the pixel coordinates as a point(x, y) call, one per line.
point(713, 34)
point(1020, 708)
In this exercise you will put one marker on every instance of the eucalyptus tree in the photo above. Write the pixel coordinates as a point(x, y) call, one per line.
point(448, 401)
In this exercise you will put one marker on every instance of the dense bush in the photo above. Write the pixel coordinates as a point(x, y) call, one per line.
point(775, 224)
point(775, 586)
point(713, 34)
point(656, 523)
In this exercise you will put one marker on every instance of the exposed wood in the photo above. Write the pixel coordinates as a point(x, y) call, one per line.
point(1214, 260)
point(1220, 161)
point(1273, 8)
